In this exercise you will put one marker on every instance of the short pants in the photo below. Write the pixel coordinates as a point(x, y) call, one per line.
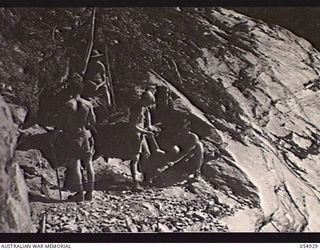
point(79, 144)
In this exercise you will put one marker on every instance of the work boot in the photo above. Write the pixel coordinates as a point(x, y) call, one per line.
point(78, 197)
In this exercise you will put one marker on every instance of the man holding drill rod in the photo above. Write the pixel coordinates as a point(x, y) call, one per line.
point(140, 120)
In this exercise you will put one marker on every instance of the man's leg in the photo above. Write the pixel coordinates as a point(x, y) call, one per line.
point(108, 97)
point(198, 158)
point(76, 172)
point(145, 161)
point(87, 164)
point(155, 162)
point(134, 171)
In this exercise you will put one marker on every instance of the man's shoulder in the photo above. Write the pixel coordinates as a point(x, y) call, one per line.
point(70, 102)
point(90, 82)
point(85, 102)
point(193, 135)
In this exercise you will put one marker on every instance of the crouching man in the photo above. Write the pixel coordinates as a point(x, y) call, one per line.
point(189, 151)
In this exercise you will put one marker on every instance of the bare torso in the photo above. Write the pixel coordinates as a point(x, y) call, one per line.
point(76, 114)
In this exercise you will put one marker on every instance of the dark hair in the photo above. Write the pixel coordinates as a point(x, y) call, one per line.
point(162, 88)
point(75, 87)
point(162, 92)
point(78, 77)
point(147, 95)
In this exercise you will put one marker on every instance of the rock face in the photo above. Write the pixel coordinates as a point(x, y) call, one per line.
point(14, 207)
point(240, 80)
point(278, 144)
point(246, 79)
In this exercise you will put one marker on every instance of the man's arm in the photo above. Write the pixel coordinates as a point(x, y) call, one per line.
point(103, 75)
point(91, 119)
point(91, 116)
point(194, 142)
point(137, 119)
point(184, 156)
point(148, 118)
point(144, 131)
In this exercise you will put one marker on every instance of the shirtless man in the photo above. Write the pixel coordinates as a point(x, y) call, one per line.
point(76, 117)
point(97, 84)
point(140, 120)
point(189, 149)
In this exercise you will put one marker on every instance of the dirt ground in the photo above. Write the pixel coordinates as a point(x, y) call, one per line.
point(181, 208)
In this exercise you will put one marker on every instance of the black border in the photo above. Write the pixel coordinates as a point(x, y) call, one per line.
point(160, 237)
point(159, 3)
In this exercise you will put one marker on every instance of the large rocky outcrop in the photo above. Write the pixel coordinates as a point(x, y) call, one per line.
point(14, 207)
point(247, 78)
point(278, 146)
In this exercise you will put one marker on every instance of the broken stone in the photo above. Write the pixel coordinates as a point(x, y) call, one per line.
point(107, 229)
point(188, 221)
point(162, 220)
point(215, 211)
point(144, 228)
point(154, 227)
point(64, 218)
point(130, 226)
point(301, 142)
point(200, 215)
point(85, 213)
point(50, 230)
point(84, 230)
point(120, 217)
point(163, 228)
point(70, 228)
point(195, 227)
point(158, 205)
point(95, 215)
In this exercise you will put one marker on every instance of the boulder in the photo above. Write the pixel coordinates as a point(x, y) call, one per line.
point(14, 206)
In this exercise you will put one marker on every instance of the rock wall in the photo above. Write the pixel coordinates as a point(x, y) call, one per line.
point(14, 206)
point(277, 148)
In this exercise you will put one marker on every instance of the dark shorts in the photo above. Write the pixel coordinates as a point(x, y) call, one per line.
point(79, 144)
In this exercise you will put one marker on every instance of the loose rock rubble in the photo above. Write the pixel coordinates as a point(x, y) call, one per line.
point(173, 209)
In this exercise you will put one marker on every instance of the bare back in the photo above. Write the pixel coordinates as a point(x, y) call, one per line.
point(76, 114)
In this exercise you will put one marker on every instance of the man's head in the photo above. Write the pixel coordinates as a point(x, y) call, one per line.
point(147, 98)
point(97, 77)
point(76, 85)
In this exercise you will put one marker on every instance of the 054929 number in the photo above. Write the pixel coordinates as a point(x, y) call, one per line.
point(309, 245)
